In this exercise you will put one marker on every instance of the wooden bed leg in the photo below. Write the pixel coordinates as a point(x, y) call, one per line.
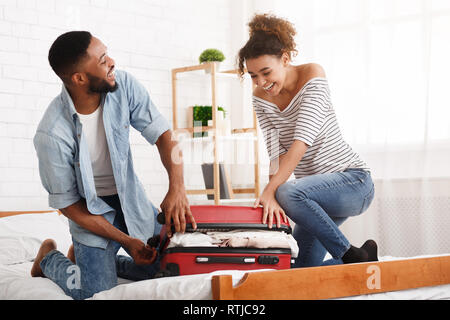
point(222, 287)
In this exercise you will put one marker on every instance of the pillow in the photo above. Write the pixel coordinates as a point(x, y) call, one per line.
point(22, 235)
point(18, 249)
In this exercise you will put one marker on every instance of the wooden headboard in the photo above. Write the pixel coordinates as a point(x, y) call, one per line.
point(15, 213)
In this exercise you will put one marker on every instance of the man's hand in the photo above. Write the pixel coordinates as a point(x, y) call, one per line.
point(140, 252)
point(176, 207)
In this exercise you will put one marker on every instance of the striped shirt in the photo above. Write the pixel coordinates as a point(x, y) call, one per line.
point(310, 118)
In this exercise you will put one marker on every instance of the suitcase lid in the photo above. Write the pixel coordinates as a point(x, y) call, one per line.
point(215, 218)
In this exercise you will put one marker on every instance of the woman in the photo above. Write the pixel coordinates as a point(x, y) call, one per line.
point(302, 136)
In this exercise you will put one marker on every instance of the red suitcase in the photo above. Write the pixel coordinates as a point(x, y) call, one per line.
point(195, 260)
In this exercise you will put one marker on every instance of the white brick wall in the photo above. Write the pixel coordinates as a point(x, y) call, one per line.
point(145, 37)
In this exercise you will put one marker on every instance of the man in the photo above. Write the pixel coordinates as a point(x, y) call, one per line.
point(85, 164)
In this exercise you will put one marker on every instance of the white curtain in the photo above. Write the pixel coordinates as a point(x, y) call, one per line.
point(388, 67)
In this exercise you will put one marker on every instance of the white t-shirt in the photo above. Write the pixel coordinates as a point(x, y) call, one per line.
point(94, 133)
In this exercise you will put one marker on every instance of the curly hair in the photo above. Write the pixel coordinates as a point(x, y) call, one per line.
point(268, 35)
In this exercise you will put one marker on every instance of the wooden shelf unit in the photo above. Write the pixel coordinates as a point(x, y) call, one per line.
point(212, 67)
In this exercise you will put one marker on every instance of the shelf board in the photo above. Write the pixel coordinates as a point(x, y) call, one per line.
point(244, 190)
point(197, 129)
point(200, 191)
point(207, 128)
point(203, 66)
point(195, 75)
point(235, 134)
point(243, 130)
point(193, 70)
point(219, 139)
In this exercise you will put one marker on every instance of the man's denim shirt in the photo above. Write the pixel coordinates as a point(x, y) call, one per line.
point(65, 166)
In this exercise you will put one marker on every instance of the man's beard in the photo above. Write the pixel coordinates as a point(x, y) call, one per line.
point(97, 85)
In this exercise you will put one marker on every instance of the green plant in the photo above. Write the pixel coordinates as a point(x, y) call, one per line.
point(203, 114)
point(211, 55)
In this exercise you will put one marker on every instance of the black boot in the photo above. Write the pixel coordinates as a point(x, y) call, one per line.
point(355, 255)
point(372, 250)
point(367, 252)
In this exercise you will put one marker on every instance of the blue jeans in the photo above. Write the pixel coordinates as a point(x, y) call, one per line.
point(318, 205)
point(96, 269)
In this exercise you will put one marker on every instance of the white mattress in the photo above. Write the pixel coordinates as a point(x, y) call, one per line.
point(16, 282)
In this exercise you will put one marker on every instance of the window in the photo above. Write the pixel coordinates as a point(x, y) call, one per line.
point(387, 62)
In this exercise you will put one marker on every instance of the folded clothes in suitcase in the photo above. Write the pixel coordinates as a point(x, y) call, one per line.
point(214, 222)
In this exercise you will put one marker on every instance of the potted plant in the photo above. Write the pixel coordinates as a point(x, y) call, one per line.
point(211, 55)
point(203, 114)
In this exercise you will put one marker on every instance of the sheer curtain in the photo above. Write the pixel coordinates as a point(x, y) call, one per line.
point(388, 67)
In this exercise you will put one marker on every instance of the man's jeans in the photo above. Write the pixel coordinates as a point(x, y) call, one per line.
point(96, 269)
point(318, 205)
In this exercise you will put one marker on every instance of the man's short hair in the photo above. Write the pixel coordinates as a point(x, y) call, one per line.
point(67, 51)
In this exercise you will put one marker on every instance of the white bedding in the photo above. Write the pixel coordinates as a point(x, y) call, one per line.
point(16, 282)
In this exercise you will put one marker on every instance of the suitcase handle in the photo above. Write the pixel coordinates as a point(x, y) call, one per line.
point(161, 218)
point(234, 260)
point(238, 260)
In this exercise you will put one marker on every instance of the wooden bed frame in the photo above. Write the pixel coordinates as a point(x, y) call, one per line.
point(326, 282)
point(15, 213)
point(339, 281)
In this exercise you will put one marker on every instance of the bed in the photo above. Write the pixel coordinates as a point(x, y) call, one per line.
point(424, 278)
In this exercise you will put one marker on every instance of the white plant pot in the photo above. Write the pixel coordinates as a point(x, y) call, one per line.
point(208, 71)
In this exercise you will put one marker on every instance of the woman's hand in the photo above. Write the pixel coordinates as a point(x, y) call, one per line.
point(271, 208)
point(280, 171)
